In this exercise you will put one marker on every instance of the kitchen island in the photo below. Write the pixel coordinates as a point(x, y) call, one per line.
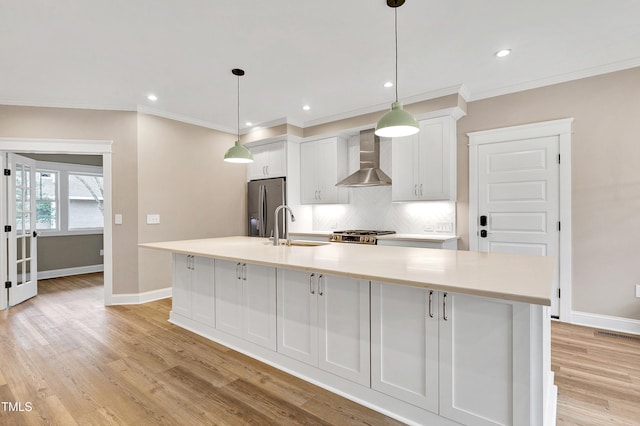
point(427, 336)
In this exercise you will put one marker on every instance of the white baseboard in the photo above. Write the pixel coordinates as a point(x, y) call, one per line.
point(137, 298)
point(624, 325)
point(56, 273)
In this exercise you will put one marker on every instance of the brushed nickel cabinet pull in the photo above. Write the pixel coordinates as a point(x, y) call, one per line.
point(444, 308)
point(320, 292)
point(430, 304)
point(311, 283)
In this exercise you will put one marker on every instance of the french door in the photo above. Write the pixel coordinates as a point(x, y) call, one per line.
point(19, 242)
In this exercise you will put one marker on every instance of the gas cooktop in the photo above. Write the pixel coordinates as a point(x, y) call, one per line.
point(358, 236)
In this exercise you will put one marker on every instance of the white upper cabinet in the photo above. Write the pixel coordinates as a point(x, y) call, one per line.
point(424, 165)
point(269, 161)
point(323, 163)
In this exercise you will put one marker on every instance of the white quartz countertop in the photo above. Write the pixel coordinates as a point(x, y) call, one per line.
point(511, 277)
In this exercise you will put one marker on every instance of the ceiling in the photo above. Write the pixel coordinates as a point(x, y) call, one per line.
point(332, 55)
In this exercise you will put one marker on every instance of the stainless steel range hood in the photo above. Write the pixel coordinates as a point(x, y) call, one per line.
point(369, 173)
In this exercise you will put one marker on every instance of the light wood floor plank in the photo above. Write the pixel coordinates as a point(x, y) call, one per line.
point(79, 362)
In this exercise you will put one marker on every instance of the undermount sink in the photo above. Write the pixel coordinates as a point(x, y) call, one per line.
point(304, 243)
point(299, 243)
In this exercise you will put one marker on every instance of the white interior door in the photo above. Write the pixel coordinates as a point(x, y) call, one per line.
point(518, 200)
point(21, 217)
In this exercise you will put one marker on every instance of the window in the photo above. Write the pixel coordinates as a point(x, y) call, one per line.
point(86, 197)
point(69, 199)
point(46, 200)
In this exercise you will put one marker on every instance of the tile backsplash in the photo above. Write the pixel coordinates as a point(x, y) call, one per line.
point(371, 208)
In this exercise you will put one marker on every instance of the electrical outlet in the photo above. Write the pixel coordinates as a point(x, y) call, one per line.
point(429, 227)
point(117, 219)
point(153, 219)
point(638, 291)
point(101, 252)
point(444, 227)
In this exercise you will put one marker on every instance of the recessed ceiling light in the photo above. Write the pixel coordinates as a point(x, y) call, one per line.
point(388, 84)
point(152, 97)
point(306, 107)
point(248, 123)
point(502, 53)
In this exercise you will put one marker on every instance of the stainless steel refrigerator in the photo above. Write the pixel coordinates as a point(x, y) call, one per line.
point(264, 196)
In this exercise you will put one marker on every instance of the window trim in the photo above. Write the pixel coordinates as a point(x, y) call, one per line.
point(63, 170)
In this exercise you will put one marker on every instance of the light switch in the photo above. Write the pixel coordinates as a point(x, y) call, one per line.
point(117, 219)
point(153, 219)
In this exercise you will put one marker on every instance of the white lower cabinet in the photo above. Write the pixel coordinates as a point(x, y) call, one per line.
point(455, 355)
point(404, 344)
point(193, 292)
point(246, 301)
point(323, 320)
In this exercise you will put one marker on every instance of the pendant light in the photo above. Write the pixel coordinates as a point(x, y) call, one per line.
point(238, 153)
point(397, 122)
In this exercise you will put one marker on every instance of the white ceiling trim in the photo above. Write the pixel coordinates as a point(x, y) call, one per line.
point(562, 78)
point(459, 89)
point(71, 105)
point(184, 119)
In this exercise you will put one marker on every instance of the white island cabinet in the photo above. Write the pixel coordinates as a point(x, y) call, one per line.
point(323, 320)
point(465, 358)
point(429, 337)
point(246, 301)
point(193, 288)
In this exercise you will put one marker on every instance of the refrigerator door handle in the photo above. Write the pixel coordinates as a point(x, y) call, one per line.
point(260, 203)
point(263, 211)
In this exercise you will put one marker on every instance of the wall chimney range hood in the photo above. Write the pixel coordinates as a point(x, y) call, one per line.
point(369, 173)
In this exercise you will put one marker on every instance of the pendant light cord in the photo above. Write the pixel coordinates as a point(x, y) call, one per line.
point(395, 13)
point(238, 109)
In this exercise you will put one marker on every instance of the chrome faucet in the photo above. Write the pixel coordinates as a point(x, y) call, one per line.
point(276, 234)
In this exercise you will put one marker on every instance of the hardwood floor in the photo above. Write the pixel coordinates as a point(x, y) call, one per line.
point(597, 374)
point(75, 361)
point(69, 360)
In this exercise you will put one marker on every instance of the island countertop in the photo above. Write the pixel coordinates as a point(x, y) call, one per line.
point(517, 278)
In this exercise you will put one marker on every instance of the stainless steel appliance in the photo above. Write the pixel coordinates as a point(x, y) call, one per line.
point(264, 196)
point(358, 236)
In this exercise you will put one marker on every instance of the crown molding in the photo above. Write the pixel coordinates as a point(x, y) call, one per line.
point(560, 78)
point(184, 119)
point(71, 105)
point(385, 106)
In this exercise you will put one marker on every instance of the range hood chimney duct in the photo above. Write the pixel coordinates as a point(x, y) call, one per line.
point(369, 173)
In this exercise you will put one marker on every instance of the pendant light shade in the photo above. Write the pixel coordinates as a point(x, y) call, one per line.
point(397, 122)
point(238, 153)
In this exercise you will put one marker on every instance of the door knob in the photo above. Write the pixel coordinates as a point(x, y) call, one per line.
point(483, 233)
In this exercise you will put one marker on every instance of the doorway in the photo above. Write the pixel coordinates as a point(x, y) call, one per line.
point(77, 147)
point(520, 197)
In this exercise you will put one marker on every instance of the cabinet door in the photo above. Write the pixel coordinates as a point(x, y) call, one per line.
point(259, 295)
point(256, 169)
point(483, 343)
point(276, 161)
point(181, 292)
point(308, 173)
point(434, 159)
point(202, 295)
point(404, 343)
point(297, 315)
point(228, 288)
point(343, 327)
point(327, 158)
point(405, 172)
